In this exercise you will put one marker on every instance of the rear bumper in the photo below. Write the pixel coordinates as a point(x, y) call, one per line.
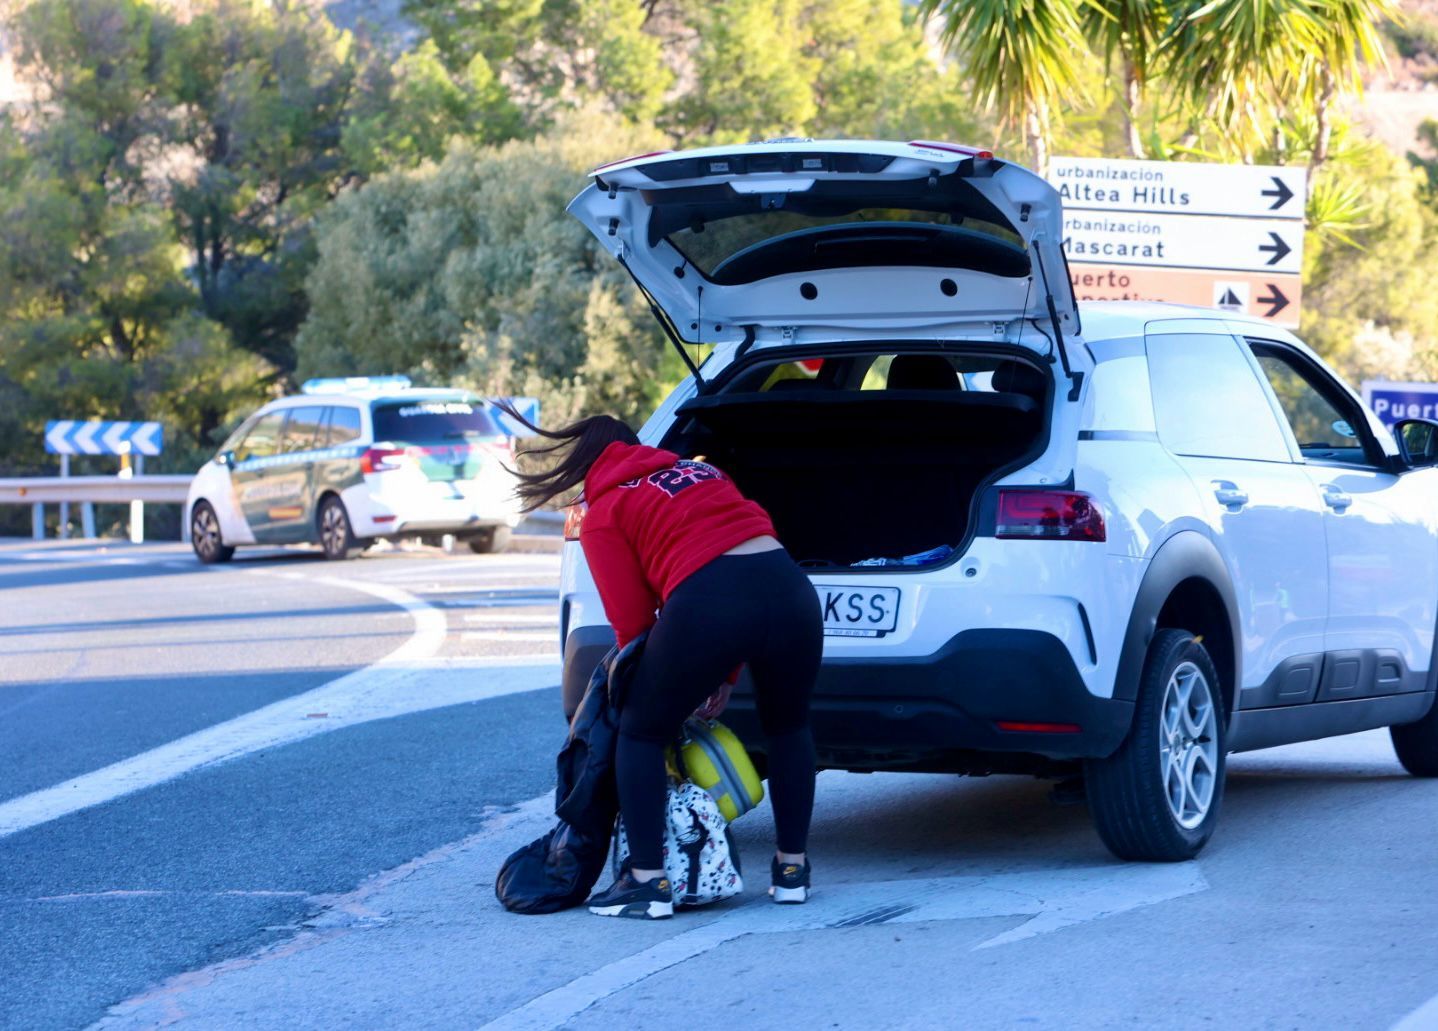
point(584, 646)
point(942, 711)
point(460, 528)
point(932, 712)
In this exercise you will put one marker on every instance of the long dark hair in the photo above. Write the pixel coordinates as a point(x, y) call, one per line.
point(585, 439)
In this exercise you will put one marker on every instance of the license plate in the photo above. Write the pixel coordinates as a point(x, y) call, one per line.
point(859, 611)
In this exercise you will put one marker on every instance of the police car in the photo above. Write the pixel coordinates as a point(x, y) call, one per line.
point(352, 460)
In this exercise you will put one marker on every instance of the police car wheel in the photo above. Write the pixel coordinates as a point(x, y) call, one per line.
point(205, 537)
point(336, 536)
point(490, 541)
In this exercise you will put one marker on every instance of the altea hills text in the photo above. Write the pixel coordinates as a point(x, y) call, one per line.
point(1079, 193)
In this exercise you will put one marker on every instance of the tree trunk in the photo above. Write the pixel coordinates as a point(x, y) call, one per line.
point(1324, 115)
point(1036, 136)
point(1132, 96)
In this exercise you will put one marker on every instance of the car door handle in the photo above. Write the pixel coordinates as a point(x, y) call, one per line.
point(1336, 499)
point(1229, 494)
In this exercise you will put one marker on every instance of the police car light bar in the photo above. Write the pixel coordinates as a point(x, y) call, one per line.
point(354, 384)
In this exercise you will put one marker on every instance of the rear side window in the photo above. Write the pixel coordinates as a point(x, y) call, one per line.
point(414, 422)
point(344, 426)
point(1208, 402)
point(305, 430)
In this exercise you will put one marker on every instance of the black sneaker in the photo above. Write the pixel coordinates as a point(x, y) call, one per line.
point(650, 900)
point(789, 882)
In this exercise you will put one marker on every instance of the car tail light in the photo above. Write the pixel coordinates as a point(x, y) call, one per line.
point(1024, 727)
point(573, 519)
point(1050, 515)
point(380, 459)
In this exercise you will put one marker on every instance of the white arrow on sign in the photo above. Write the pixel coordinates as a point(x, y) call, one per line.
point(144, 441)
point(55, 437)
point(1180, 187)
point(114, 437)
point(1183, 241)
point(85, 439)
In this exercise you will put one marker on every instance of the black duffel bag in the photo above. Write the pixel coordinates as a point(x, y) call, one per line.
point(558, 870)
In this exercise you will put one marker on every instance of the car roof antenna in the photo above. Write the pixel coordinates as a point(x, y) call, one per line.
point(1075, 378)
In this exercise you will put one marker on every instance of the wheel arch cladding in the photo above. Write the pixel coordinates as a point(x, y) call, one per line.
point(1187, 587)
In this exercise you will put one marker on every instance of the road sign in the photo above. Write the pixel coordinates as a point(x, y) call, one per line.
point(1183, 241)
point(525, 406)
point(1275, 298)
point(93, 437)
point(1228, 237)
point(1394, 401)
point(1180, 188)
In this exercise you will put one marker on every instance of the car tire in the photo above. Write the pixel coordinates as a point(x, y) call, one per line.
point(1156, 799)
point(490, 541)
point(337, 536)
point(1417, 744)
point(205, 536)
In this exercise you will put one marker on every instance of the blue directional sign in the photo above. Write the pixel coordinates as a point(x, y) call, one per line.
point(1394, 401)
point(94, 437)
point(525, 406)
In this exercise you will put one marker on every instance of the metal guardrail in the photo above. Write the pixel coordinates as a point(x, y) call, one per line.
point(105, 490)
point(88, 491)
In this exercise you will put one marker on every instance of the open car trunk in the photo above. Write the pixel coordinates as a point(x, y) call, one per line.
point(851, 474)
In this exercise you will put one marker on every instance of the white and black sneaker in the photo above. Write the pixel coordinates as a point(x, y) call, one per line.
point(647, 900)
point(789, 882)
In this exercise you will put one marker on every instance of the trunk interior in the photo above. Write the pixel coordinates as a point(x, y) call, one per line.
point(873, 456)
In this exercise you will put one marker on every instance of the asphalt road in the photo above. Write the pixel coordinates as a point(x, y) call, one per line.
point(275, 794)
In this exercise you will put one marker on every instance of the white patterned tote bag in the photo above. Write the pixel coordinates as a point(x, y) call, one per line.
point(700, 856)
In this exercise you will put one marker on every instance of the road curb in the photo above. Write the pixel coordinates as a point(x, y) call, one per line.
point(531, 543)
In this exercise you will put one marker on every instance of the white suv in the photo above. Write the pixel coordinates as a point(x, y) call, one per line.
point(1127, 543)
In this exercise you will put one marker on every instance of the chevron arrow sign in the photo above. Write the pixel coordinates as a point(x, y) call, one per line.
point(95, 437)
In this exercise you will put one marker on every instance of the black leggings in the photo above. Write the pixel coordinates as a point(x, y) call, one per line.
point(757, 609)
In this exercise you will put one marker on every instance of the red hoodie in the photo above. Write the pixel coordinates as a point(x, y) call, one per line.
point(654, 519)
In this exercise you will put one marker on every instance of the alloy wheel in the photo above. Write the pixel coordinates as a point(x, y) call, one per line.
point(205, 532)
point(1188, 747)
point(334, 529)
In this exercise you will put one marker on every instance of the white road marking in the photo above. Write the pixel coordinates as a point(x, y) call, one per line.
point(1053, 899)
point(507, 635)
point(402, 682)
point(508, 619)
point(1424, 1018)
point(542, 582)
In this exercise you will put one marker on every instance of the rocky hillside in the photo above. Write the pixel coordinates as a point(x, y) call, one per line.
point(1399, 100)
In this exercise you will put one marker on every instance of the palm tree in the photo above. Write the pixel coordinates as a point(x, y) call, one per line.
point(1132, 29)
point(1020, 56)
point(1238, 59)
point(1343, 40)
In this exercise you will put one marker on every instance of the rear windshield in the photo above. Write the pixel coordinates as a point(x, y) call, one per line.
point(423, 421)
point(741, 238)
